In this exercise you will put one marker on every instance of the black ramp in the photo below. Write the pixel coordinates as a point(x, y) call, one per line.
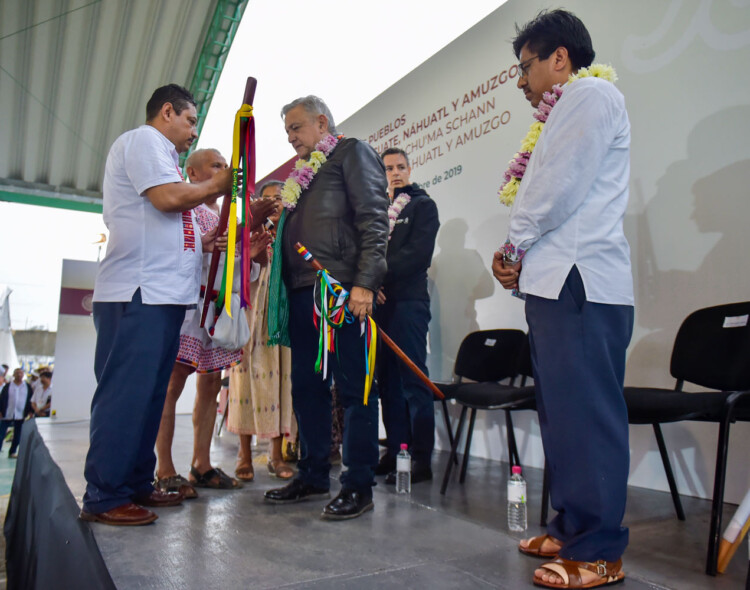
point(46, 545)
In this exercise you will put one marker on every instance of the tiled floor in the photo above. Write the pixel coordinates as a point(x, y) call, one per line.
point(232, 539)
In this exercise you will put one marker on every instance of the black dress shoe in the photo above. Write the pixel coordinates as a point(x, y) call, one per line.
point(348, 504)
point(296, 491)
point(385, 465)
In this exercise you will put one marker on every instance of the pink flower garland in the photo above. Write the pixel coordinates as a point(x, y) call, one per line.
point(517, 166)
point(394, 210)
point(305, 170)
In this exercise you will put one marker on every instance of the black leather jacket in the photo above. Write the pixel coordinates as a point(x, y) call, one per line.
point(342, 219)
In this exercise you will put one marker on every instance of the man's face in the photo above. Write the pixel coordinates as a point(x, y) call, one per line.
point(45, 381)
point(397, 171)
point(534, 76)
point(274, 192)
point(182, 129)
point(18, 376)
point(304, 130)
point(208, 164)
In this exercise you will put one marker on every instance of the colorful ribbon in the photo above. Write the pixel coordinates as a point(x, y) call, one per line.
point(330, 313)
point(244, 114)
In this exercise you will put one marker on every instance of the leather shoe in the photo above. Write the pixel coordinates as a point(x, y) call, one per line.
point(129, 514)
point(385, 465)
point(348, 504)
point(159, 499)
point(418, 475)
point(296, 491)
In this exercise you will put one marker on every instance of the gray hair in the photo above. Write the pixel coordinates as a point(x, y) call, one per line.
point(265, 185)
point(314, 106)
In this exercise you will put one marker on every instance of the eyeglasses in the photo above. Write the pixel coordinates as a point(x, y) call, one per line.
point(523, 67)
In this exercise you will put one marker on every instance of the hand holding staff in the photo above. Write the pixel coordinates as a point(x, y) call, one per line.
point(384, 337)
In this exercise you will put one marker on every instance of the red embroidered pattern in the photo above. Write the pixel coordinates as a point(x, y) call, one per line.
point(206, 360)
point(206, 219)
point(188, 231)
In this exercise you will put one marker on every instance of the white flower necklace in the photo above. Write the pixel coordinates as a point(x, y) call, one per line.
point(394, 210)
point(305, 170)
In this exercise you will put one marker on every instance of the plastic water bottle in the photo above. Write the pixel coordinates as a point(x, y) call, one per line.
point(517, 501)
point(403, 471)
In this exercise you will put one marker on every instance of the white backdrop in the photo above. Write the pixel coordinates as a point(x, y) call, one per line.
point(682, 68)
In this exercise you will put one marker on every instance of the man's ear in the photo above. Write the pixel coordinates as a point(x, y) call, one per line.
point(560, 58)
point(166, 112)
point(323, 122)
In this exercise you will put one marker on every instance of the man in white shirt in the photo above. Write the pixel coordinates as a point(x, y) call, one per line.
point(41, 400)
point(567, 254)
point(148, 278)
point(15, 405)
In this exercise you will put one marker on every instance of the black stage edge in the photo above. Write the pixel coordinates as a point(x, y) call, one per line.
point(46, 545)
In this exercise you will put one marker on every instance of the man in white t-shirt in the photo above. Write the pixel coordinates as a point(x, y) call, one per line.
point(148, 278)
point(41, 400)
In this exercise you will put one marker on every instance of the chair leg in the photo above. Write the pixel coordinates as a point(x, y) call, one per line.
point(545, 496)
point(717, 504)
point(448, 426)
point(452, 457)
point(668, 471)
point(469, 432)
point(513, 457)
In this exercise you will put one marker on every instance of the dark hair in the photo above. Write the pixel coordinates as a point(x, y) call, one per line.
point(47, 374)
point(177, 96)
point(552, 29)
point(265, 185)
point(393, 152)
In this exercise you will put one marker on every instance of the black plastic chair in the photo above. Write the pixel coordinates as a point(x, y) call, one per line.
point(712, 350)
point(474, 363)
point(494, 355)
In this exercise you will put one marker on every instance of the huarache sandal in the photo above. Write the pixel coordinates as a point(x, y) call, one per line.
point(214, 478)
point(534, 548)
point(277, 468)
point(176, 483)
point(607, 573)
point(245, 473)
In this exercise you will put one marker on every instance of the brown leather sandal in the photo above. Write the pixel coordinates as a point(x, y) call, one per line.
point(277, 468)
point(534, 548)
point(609, 572)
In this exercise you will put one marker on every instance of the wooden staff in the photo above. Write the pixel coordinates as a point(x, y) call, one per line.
point(250, 86)
point(387, 339)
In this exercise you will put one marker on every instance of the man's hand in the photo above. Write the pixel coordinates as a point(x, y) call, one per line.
point(360, 302)
point(223, 181)
point(507, 276)
point(381, 296)
point(261, 209)
point(207, 240)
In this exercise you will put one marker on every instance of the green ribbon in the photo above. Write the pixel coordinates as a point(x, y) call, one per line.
point(278, 302)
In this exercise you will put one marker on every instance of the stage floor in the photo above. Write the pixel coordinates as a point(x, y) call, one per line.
point(232, 539)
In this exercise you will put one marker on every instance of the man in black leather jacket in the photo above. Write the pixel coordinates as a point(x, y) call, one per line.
point(404, 313)
point(342, 219)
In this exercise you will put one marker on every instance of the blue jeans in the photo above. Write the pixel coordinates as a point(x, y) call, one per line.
point(311, 396)
point(408, 406)
point(578, 357)
point(136, 347)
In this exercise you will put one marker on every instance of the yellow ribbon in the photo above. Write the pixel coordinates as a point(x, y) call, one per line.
point(371, 354)
point(245, 112)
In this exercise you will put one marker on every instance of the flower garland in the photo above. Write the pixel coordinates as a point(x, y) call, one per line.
point(305, 170)
point(517, 166)
point(394, 210)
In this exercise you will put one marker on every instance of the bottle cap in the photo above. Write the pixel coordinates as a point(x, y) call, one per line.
point(404, 446)
point(515, 469)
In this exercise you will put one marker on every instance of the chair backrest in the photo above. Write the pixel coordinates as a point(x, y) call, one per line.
point(712, 348)
point(489, 355)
